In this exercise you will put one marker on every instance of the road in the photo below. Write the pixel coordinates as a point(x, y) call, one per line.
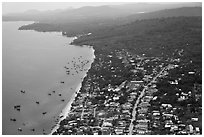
point(134, 112)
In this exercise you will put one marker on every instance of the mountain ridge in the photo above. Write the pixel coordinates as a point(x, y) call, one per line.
point(90, 25)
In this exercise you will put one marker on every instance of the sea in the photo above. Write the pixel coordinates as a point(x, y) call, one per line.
point(40, 73)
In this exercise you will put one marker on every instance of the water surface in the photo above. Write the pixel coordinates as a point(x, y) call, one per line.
point(36, 62)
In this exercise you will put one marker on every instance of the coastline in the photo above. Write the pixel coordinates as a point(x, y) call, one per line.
point(67, 108)
point(33, 118)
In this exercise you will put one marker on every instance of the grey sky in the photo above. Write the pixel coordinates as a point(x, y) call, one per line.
point(12, 7)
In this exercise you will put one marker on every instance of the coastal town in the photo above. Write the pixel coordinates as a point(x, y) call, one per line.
point(124, 94)
point(102, 68)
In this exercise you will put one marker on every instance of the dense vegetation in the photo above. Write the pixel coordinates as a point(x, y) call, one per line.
point(178, 38)
point(154, 37)
point(89, 19)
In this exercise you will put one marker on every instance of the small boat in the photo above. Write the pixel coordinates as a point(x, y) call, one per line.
point(20, 129)
point(13, 119)
point(44, 113)
point(23, 91)
point(33, 129)
point(37, 102)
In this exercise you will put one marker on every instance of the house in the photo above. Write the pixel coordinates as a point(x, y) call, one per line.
point(133, 64)
point(131, 60)
point(121, 123)
point(140, 68)
point(127, 104)
point(167, 115)
point(141, 116)
point(101, 114)
point(141, 126)
point(155, 98)
point(181, 126)
point(154, 85)
point(182, 98)
point(194, 119)
point(147, 98)
point(110, 56)
point(143, 110)
point(116, 98)
point(197, 129)
point(107, 124)
point(167, 125)
point(126, 111)
point(133, 94)
point(182, 133)
point(156, 118)
point(142, 121)
point(174, 82)
point(174, 128)
point(156, 113)
point(105, 131)
point(141, 132)
point(190, 129)
point(130, 99)
point(133, 70)
point(95, 133)
point(191, 72)
point(152, 90)
point(144, 104)
point(169, 122)
point(155, 125)
point(118, 131)
point(136, 82)
point(166, 105)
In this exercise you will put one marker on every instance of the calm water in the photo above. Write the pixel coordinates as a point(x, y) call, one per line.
point(35, 62)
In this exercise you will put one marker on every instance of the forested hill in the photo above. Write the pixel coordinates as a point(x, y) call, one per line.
point(153, 37)
point(176, 12)
point(81, 22)
point(62, 16)
point(177, 38)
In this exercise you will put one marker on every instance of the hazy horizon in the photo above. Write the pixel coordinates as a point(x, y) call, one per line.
point(18, 7)
point(12, 7)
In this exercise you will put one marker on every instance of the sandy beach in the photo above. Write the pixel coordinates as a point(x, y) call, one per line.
point(67, 108)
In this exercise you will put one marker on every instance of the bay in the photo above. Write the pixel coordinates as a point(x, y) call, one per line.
point(38, 63)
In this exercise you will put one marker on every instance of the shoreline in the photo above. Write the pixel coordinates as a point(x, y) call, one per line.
point(30, 123)
point(67, 108)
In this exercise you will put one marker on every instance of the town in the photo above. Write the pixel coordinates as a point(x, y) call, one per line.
point(124, 94)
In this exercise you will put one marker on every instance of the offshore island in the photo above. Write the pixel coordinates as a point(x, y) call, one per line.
point(146, 79)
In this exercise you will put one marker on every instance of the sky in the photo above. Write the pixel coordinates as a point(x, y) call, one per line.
point(12, 7)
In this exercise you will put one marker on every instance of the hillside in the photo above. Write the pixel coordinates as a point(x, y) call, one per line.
point(175, 12)
point(113, 11)
point(89, 19)
point(153, 37)
point(166, 56)
point(68, 15)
